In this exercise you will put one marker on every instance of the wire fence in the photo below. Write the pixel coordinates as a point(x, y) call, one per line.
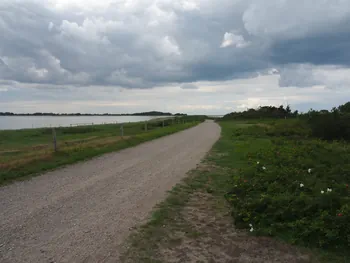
point(33, 142)
point(125, 129)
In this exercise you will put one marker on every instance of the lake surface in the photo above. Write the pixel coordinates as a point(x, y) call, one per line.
point(28, 122)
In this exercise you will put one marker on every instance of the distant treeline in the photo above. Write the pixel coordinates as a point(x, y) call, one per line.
point(283, 112)
point(324, 124)
point(330, 125)
point(149, 113)
point(263, 112)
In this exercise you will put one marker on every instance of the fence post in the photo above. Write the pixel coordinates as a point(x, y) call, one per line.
point(163, 123)
point(121, 130)
point(54, 139)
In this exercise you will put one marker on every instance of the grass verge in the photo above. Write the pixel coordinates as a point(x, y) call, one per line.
point(24, 155)
point(143, 245)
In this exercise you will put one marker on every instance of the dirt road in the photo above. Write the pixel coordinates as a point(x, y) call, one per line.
point(83, 212)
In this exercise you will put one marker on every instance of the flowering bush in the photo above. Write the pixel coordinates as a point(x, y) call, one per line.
point(303, 196)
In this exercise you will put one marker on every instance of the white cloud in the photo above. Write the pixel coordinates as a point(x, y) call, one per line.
point(293, 18)
point(91, 30)
point(38, 73)
point(273, 71)
point(169, 46)
point(50, 26)
point(189, 5)
point(157, 16)
point(87, 5)
point(232, 39)
point(307, 75)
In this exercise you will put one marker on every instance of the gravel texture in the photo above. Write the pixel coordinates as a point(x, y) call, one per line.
point(83, 212)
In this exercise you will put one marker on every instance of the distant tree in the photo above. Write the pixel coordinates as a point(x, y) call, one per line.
point(288, 109)
point(345, 108)
point(263, 112)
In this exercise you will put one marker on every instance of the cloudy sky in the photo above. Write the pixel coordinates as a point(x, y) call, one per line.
point(194, 56)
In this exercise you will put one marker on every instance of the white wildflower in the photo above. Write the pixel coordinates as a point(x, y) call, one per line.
point(322, 192)
point(250, 225)
point(309, 170)
point(258, 162)
point(301, 185)
point(251, 229)
point(264, 168)
point(329, 190)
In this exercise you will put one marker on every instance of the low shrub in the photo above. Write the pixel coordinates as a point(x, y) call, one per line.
point(293, 127)
point(295, 189)
point(330, 126)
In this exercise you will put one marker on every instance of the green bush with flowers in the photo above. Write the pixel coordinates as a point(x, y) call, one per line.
point(295, 188)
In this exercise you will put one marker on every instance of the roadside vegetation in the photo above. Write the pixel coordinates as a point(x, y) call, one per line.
point(288, 185)
point(28, 152)
point(293, 177)
point(281, 175)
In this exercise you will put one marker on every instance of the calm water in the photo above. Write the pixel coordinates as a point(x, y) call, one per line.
point(27, 122)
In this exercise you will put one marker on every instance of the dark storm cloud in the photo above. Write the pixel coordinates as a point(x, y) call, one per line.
point(188, 86)
point(324, 49)
point(159, 43)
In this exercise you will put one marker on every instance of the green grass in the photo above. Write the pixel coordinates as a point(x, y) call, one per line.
point(270, 199)
point(26, 153)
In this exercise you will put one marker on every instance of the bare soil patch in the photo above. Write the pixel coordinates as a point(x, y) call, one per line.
point(213, 238)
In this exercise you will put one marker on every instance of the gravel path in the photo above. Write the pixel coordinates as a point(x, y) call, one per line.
point(83, 212)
